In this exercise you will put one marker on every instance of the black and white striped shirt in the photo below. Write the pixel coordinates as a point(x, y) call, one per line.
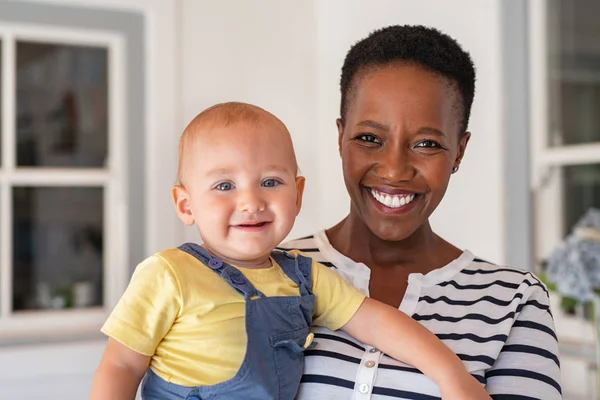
point(496, 319)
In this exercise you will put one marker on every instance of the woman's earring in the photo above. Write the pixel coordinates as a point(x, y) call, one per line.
point(454, 169)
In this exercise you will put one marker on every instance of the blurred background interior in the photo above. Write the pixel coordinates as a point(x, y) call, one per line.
point(94, 94)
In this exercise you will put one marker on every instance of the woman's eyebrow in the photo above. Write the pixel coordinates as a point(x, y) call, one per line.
point(383, 127)
point(431, 131)
point(374, 124)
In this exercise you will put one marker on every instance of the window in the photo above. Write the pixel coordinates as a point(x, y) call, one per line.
point(565, 76)
point(63, 225)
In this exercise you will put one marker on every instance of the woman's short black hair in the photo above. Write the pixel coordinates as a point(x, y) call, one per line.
point(416, 44)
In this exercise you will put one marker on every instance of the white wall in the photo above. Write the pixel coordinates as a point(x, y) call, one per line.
point(62, 371)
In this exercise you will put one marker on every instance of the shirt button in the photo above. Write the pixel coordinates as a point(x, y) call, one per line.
point(373, 350)
point(215, 263)
point(363, 388)
point(370, 364)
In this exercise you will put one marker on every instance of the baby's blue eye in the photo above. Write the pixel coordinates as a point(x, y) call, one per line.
point(270, 183)
point(224, 186)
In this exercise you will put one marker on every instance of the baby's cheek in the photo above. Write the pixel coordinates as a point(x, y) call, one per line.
point(211, 216)
point(288, 216)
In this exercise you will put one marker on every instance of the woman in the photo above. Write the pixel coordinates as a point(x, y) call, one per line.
point(406, 98)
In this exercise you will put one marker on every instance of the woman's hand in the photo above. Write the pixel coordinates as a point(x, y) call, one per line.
point(463, 387)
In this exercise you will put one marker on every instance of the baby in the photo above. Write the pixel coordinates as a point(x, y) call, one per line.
point(230, 319)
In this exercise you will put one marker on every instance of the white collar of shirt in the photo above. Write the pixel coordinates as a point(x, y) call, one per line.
point(361, 273)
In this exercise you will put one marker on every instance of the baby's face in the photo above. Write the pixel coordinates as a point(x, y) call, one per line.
point(242, 189)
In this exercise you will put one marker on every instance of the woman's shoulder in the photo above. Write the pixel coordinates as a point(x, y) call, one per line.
point(485, 275)
point(304, 244)
point(482, 267)
point(311, 246)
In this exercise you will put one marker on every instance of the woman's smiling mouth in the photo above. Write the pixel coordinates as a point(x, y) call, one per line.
point(393, 202)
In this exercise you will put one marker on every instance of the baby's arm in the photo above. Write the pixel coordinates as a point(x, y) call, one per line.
point(404, 339)
point(119, 373)
point(136, 326)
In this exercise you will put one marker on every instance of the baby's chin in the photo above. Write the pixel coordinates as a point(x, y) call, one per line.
point(251, 250)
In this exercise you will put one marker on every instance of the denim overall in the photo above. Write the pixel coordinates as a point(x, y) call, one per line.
point(277, 329)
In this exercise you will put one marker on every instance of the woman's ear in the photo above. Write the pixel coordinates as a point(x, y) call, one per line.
point(181, 200)
point(340, 128)
point(462, 147)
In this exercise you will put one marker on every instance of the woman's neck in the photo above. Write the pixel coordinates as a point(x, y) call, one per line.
point(422, 251)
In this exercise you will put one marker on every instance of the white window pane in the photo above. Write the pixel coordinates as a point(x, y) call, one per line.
point(57, 247)
point(574, 40)
point(581, 191)
point(62, 118)
point(565, 196)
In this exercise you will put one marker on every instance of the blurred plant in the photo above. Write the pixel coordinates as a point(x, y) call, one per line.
point(573, 269)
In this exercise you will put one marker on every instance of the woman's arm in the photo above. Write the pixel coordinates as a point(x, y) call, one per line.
point(404, 339)
point(528, 366)
point(119, 373)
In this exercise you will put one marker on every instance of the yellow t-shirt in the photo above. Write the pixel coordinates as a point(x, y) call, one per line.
point(184, 315)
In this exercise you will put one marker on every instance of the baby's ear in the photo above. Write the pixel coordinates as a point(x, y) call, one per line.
point(181, 200)
point(299, 191)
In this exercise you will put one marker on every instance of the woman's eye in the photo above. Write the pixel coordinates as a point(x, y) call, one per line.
point(429, 144)
point(270, 183)
point(368, 138)
point(224, 186)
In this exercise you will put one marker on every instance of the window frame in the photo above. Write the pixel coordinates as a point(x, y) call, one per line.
point(113, 178)
point(545, 159)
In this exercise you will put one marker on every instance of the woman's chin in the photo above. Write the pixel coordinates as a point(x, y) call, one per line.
point(392, 232)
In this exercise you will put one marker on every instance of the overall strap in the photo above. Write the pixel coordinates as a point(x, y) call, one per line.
point(298, 269)
point(230, 274)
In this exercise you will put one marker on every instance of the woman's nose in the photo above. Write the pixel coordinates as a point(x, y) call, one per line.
point(395, 165)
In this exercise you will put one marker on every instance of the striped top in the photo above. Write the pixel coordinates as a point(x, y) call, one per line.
point(496, 319)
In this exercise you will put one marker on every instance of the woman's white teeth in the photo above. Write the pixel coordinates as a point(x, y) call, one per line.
point(392, 201)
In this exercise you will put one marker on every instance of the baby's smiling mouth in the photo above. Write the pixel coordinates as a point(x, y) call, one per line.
point(254, 224)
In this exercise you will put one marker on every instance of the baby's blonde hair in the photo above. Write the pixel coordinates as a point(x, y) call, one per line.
point(219, 116)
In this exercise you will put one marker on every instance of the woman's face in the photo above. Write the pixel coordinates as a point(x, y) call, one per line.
point(399, 143)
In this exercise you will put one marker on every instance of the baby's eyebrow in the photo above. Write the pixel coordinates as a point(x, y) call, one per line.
point(228, 171)
point(219, 171)
point(278, 168)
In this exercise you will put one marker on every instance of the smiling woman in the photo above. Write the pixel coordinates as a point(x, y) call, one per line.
point(398, 141)
point(406, 98)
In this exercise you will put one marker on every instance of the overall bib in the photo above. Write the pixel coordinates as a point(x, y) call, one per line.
point(277, 330)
